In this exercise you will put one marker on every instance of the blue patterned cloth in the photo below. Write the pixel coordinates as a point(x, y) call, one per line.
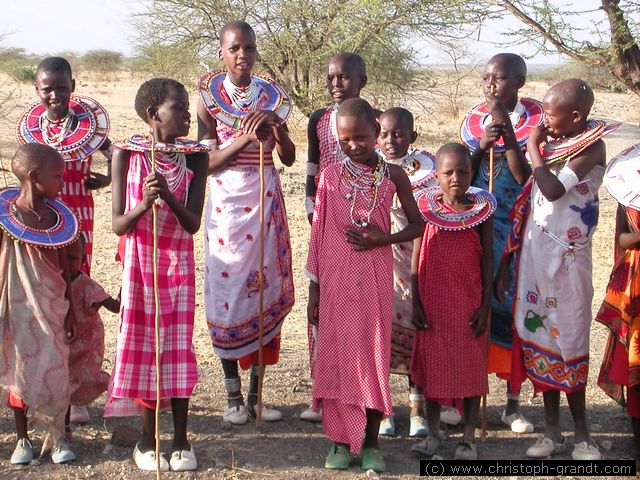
point(506, 189)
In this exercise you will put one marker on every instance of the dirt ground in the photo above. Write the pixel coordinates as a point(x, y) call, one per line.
point(292, 449)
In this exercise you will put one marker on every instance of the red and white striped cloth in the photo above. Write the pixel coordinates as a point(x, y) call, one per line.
point(79, 198)
point(134, 372)
point(351, 371)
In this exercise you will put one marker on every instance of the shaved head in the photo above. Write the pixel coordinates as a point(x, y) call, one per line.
point(401, 115)
point(357, 107)
point(33, 156)
point(574, 94)
point(513, 63)
point(452, 148)
point(352, 62)
point(239, 25)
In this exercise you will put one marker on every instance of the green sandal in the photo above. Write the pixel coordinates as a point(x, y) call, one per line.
point(372, 460)
point(339, 457)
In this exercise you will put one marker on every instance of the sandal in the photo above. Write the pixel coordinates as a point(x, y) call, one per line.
point(372, 460)
point(338, 458)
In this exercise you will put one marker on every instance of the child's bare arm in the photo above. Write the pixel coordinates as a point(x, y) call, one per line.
point(373, 237)
point(550, 186)
point(97, 180)
point(627, 239)
point(480, 319)
point(188, 215)
point(111, 304)
point(418, 317)
point(312, 304)
point(284, 145)
point(313, 160)
point(122, 223)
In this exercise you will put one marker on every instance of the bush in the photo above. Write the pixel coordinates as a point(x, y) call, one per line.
point(104, 62)
point(23, 73)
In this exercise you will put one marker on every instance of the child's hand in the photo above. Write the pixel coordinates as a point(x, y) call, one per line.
point(491, 134)
point(312, 304)
point(259, 122)
point(480, 320)
point(501, 282)
point(537, 137)
point(96, 180)
point(371, 237)
point(418, 317)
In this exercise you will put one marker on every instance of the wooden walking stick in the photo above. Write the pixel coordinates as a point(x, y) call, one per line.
point(484, 397)
point(156, 320)
point(261, 290)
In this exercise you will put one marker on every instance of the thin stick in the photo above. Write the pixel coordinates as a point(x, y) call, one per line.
point(261, 291)
point(156, 320)
point(491, 153)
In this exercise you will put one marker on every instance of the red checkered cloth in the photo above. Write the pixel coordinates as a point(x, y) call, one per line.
point(79, 198)
point(351, 371)
point(134, 373)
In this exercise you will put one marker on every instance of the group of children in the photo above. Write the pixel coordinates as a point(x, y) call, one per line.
point(396, 234)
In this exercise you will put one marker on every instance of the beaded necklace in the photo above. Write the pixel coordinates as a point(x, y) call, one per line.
point(173, 167)
point(243, 98)
point(50, 137)
point(359, 180)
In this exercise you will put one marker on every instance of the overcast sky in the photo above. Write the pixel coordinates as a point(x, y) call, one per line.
point(51, 26)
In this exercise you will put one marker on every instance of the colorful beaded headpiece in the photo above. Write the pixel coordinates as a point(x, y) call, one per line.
point(473, 125)
point(218, 103)
point(557, 150)
point(142, 143)
point(622, 177)
point(73, 142)
point(438, 213)
point(420, 167)
point(65, 231)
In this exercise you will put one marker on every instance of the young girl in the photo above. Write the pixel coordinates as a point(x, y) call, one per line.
point(76, 126)
point(451, 306)
point(350, 265)
point(86, 378)
point(620, 310)
point(35, 318)
point(176, 187)
point(395, 139)
point(232, 119)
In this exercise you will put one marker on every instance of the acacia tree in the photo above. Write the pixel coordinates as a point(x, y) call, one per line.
point(297, 37)
point(551, 25)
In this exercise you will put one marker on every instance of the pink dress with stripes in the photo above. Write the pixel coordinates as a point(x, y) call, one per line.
point(232, 249)
point(134, 373)
point(79, 198)
point(447, 362)
point(351, 372)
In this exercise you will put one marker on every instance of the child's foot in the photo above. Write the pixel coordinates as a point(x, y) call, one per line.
point(372, 460)
point(427, 447)
point(418, 426)
point(586, 451)
point(387, 427)
point(183, 460)
point(545, 447)
point(267, 414)
point(147, 460)
point(61, 452)
point(23, 453)
point(450, 416)
point(466, 451)
point(310, 415)
point(517, 422)
point(339, 457)
point(236, 415)
point(79, 415)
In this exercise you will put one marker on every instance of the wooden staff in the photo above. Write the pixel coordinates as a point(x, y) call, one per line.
point(156, 320)
point(484, 397)
point(261, 290)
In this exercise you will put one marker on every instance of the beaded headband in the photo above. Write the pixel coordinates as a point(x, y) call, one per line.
point(557, 150)
point(219, 104)
point(473, 125)
point(420, 167)
point(80, 141)
point(436, 212)
point(622, 177)
point(142, 143)
point(65, 231)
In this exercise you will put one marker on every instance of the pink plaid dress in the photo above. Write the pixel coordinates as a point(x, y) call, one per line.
point(134, 373)
point(351, 371)
point(80, 200)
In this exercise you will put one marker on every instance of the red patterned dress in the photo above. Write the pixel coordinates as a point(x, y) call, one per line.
point(448, 362)
point(351, 370)
point(134, 373)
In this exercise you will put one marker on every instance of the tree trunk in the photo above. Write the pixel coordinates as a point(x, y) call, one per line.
point(625, 53)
